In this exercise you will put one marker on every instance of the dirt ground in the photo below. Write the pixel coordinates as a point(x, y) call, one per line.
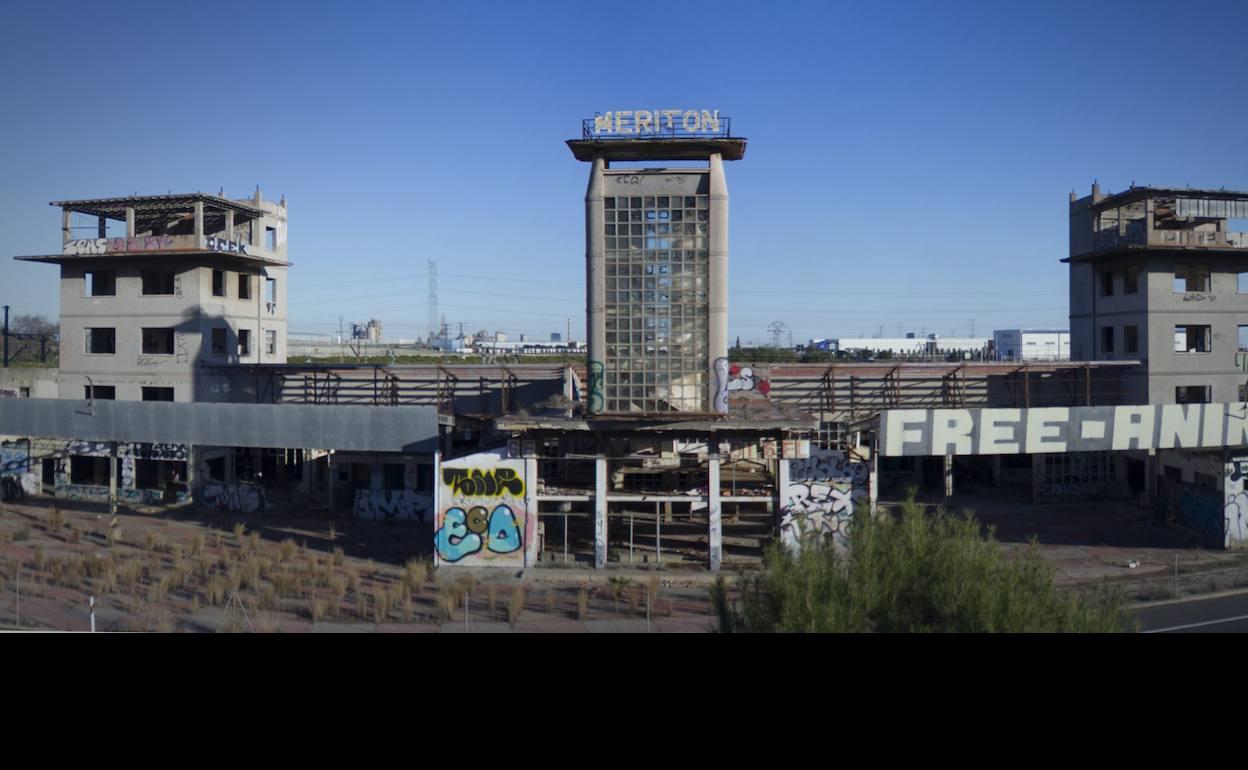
point(189, 570)
point(186, 570)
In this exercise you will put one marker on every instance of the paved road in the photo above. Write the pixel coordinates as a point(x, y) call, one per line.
point(1226, 614)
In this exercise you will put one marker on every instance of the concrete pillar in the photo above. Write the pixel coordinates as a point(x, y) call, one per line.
point(305, 481)
point(66, 233)
point(531, 518)
point(229, 224)
point(112, 477)
point(129, 221)
point(873, 481)
point(948, 476)
point(715, 538)
point(192, 470)
point(596, 286)
point(1151, 471)
point(782, 486)
point(437, 497)
point(199, 219)
point(329, 464)
point(600, 513)
point(717, 279)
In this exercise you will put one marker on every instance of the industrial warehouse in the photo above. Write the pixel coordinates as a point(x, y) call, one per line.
point(174, 387)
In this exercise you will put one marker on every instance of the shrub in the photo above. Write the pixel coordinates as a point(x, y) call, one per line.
point(916, 573)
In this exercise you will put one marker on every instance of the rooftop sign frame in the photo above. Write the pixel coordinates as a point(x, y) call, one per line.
point(656, 124)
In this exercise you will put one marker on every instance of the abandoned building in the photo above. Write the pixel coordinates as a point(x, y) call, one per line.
point(658, 448)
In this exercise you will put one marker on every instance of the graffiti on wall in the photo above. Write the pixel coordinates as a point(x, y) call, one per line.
point(745, 379)
point(1235, 507)
point(87, 448)
point(476, 482)
point(244, 498)
point(93, 493)
point(96, 246)
point(397, 504)
point(481, 518)
point(597, 376)
point(823, 493)
point(14, 458)
point(721, 385)
point(175, 452)
point(464, 533)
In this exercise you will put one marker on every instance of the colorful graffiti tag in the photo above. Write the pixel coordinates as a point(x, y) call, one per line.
point(820, 500)
point(744, 379)
point(482, 518)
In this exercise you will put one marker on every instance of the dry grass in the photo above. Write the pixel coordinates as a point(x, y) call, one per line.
point(515, 606)
point(415, 574)
point(239, 530)
point(381, 605)
point(56, 520)
point(75, 534)
point(491, 594)
point(338, 556)
point(582, 603)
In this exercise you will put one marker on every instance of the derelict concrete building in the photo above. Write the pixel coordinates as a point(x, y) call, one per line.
point(656, 252)
point(1159, 276)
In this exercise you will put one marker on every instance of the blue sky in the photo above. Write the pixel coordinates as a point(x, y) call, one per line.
point(908, 163)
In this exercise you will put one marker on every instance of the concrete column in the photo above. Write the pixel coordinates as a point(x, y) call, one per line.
point(600, 513)
point(192, 470)
point(329, 464)
point(782, 486)
point(199, 219)
point(714, 519)
point(305, 481)
point(437, 498)
point(531, 518)
point(112, 477)
point(129, 221)
point(948, 476)
point(596, 286)
point(717, 283)
point(1151, 467)
point(66, 233)
point(229, 224)
point(873, 489)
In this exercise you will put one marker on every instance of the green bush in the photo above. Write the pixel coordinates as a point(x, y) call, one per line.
point(915, 573)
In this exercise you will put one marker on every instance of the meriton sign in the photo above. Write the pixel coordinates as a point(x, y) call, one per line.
point(656, 122)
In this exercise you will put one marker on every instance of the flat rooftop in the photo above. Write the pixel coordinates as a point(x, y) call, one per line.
point(657, 148)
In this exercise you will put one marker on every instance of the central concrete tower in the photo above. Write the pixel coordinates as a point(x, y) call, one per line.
point(656, 253)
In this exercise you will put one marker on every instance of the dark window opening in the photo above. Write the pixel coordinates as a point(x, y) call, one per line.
point(1131, 280)
point(1193, 339)
point(215, 469)
point(1193, 394)
point(88, 470)
point(1107, 283)
point(157, 394)
point(244, 342)
point(1107, 339)
point(218, 342)
point(392, 476)
point(244, 286)
point(159, 474)
point(158, 342)
point(101, 341)
point(101, 283)
point(157, 281)
point(101, 392)
point(218, 283)
point(1131, 339)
